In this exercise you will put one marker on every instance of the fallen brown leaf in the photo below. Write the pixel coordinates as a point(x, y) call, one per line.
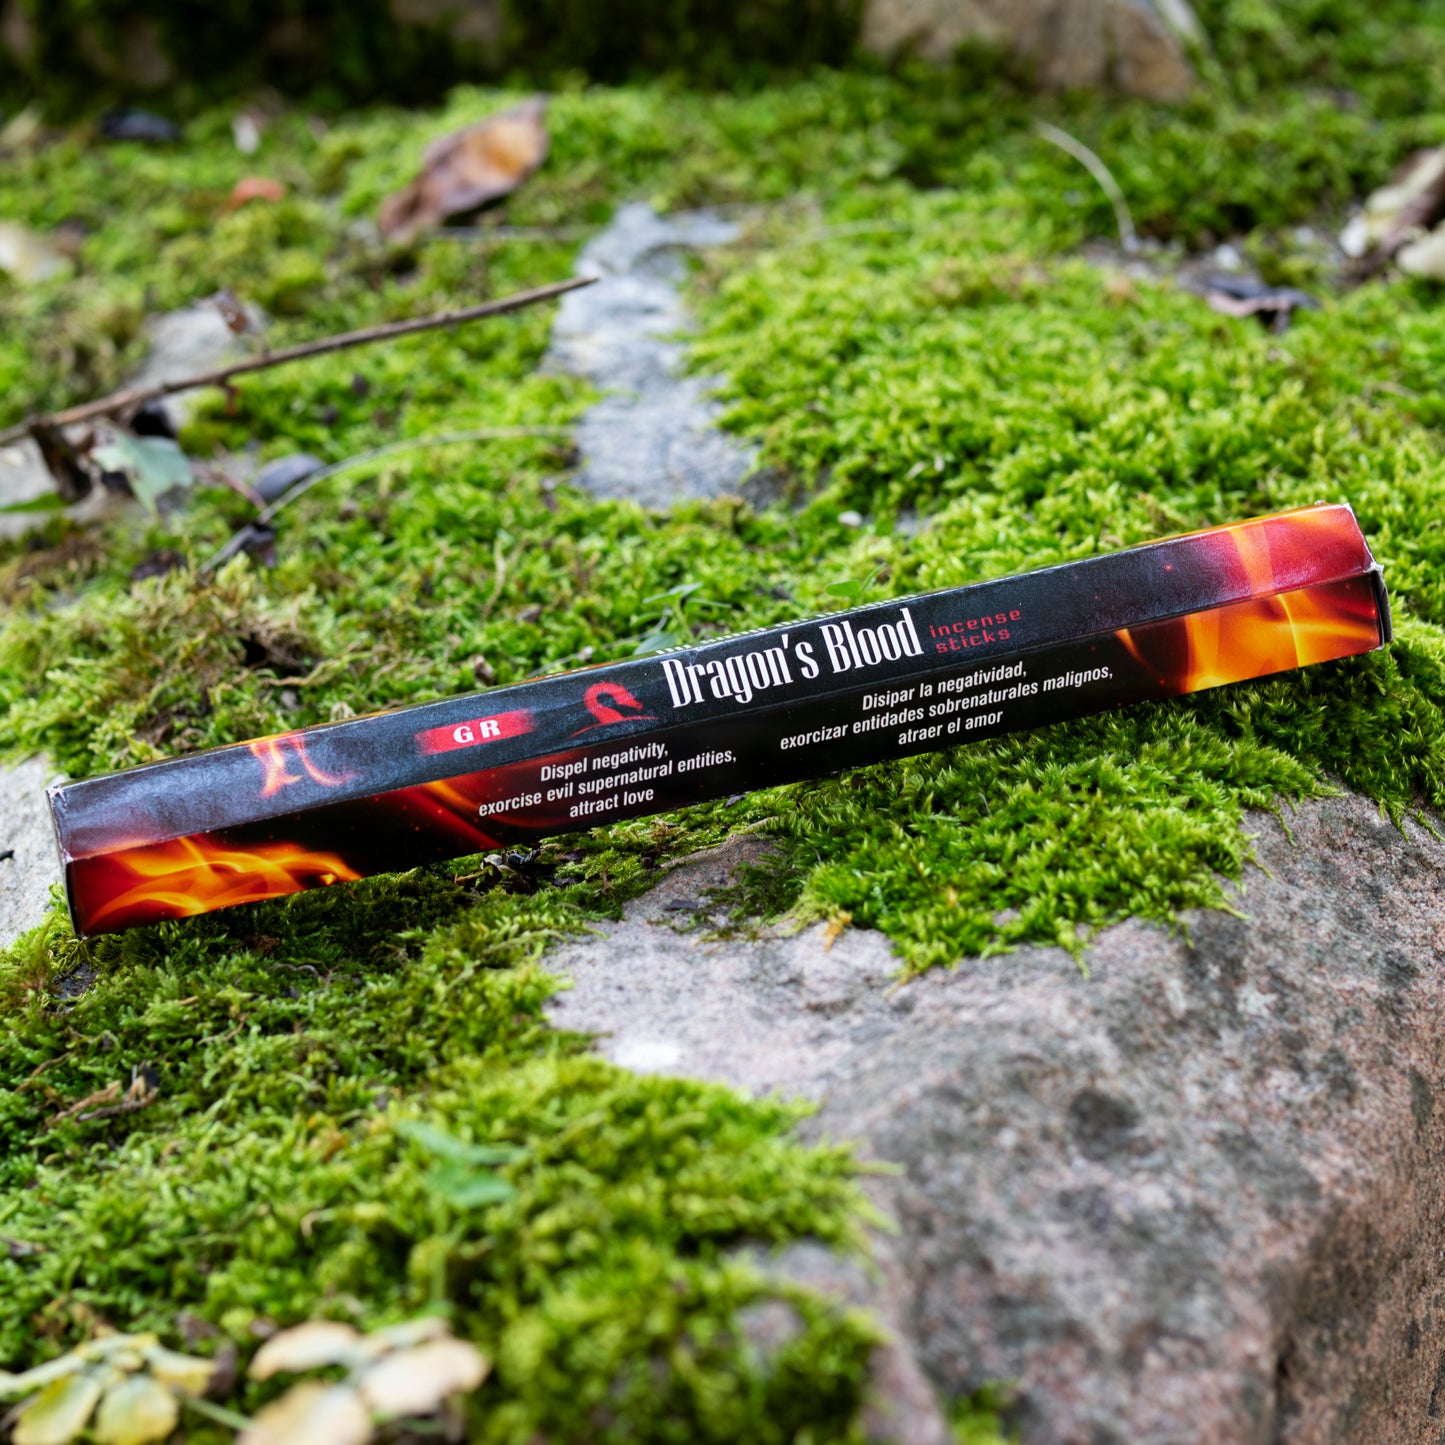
point(311, 1414)
point(1398, 213)
point(467, 169)
point(1425, 257)
point(309, 1346)
point(27, 255)
point(416, 1381)
point(254, 188)
point(135, 1411)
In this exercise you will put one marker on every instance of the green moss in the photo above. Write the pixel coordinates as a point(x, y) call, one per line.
point(268, 1179)
point(979, 1419)
point(905, 330)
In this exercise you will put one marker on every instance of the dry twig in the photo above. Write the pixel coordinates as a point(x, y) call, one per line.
point(120, 403)
point(1128, 237)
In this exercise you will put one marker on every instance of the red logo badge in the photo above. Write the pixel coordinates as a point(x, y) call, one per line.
point(478, 730)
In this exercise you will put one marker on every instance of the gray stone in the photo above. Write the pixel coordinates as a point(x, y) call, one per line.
point(653, 439)
point(771, 1014)
point(23, 478)
point(26, 833)
point(185, 343)
point(1192, 1193)
point(1135, 46)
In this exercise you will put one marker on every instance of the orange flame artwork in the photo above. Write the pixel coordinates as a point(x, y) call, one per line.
point(185, 876)
point(276, 754)
point(1255, 638)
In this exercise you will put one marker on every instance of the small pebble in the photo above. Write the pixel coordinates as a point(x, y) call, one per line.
point(278, 477)
point(142, 125)
point(246, 133)
point(850, 519)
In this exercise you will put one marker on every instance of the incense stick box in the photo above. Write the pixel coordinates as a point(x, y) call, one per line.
point(468, 774)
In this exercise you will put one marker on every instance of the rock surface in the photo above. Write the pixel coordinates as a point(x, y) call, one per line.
point(1192, 1194)
point(25, 834)
point(185, 343)
point(23, 478)
point(1131, 45)
point(653, 439)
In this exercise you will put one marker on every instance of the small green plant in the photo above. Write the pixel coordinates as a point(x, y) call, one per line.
point(463, 1173)
point(672, 627)
point(852, 591)
point(127, 1388)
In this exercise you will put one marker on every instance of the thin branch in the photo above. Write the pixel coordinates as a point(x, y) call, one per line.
point(410, 444)
point(129, 399)
point(127, 1106)
point(1128, 238)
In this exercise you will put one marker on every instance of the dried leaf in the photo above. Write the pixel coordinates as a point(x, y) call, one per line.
point(59, 1413)
point(254, 188)
point(467, 169)
point(306, 1347)
point(417, 1381)
point(115, 1349)
point(239, 320)
point(26, 255)
point(14, 1387)
point(23, 131)
point(1394, 213)
point(152, 465)
point(404, 1336)
point(311, 1414)
point(136, 1411)
point(187, 1373)
point(1426, 257)
point(1242, 296)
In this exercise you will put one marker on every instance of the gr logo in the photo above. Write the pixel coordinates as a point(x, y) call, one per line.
point(474, 732)
point(487, 727)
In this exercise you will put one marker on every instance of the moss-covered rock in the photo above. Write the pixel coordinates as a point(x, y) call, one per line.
point(905, 329)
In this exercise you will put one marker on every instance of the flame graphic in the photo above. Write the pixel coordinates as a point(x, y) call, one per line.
point(184, 876)
point(1257, 637)
point(272, 753)
point(1306, 547)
